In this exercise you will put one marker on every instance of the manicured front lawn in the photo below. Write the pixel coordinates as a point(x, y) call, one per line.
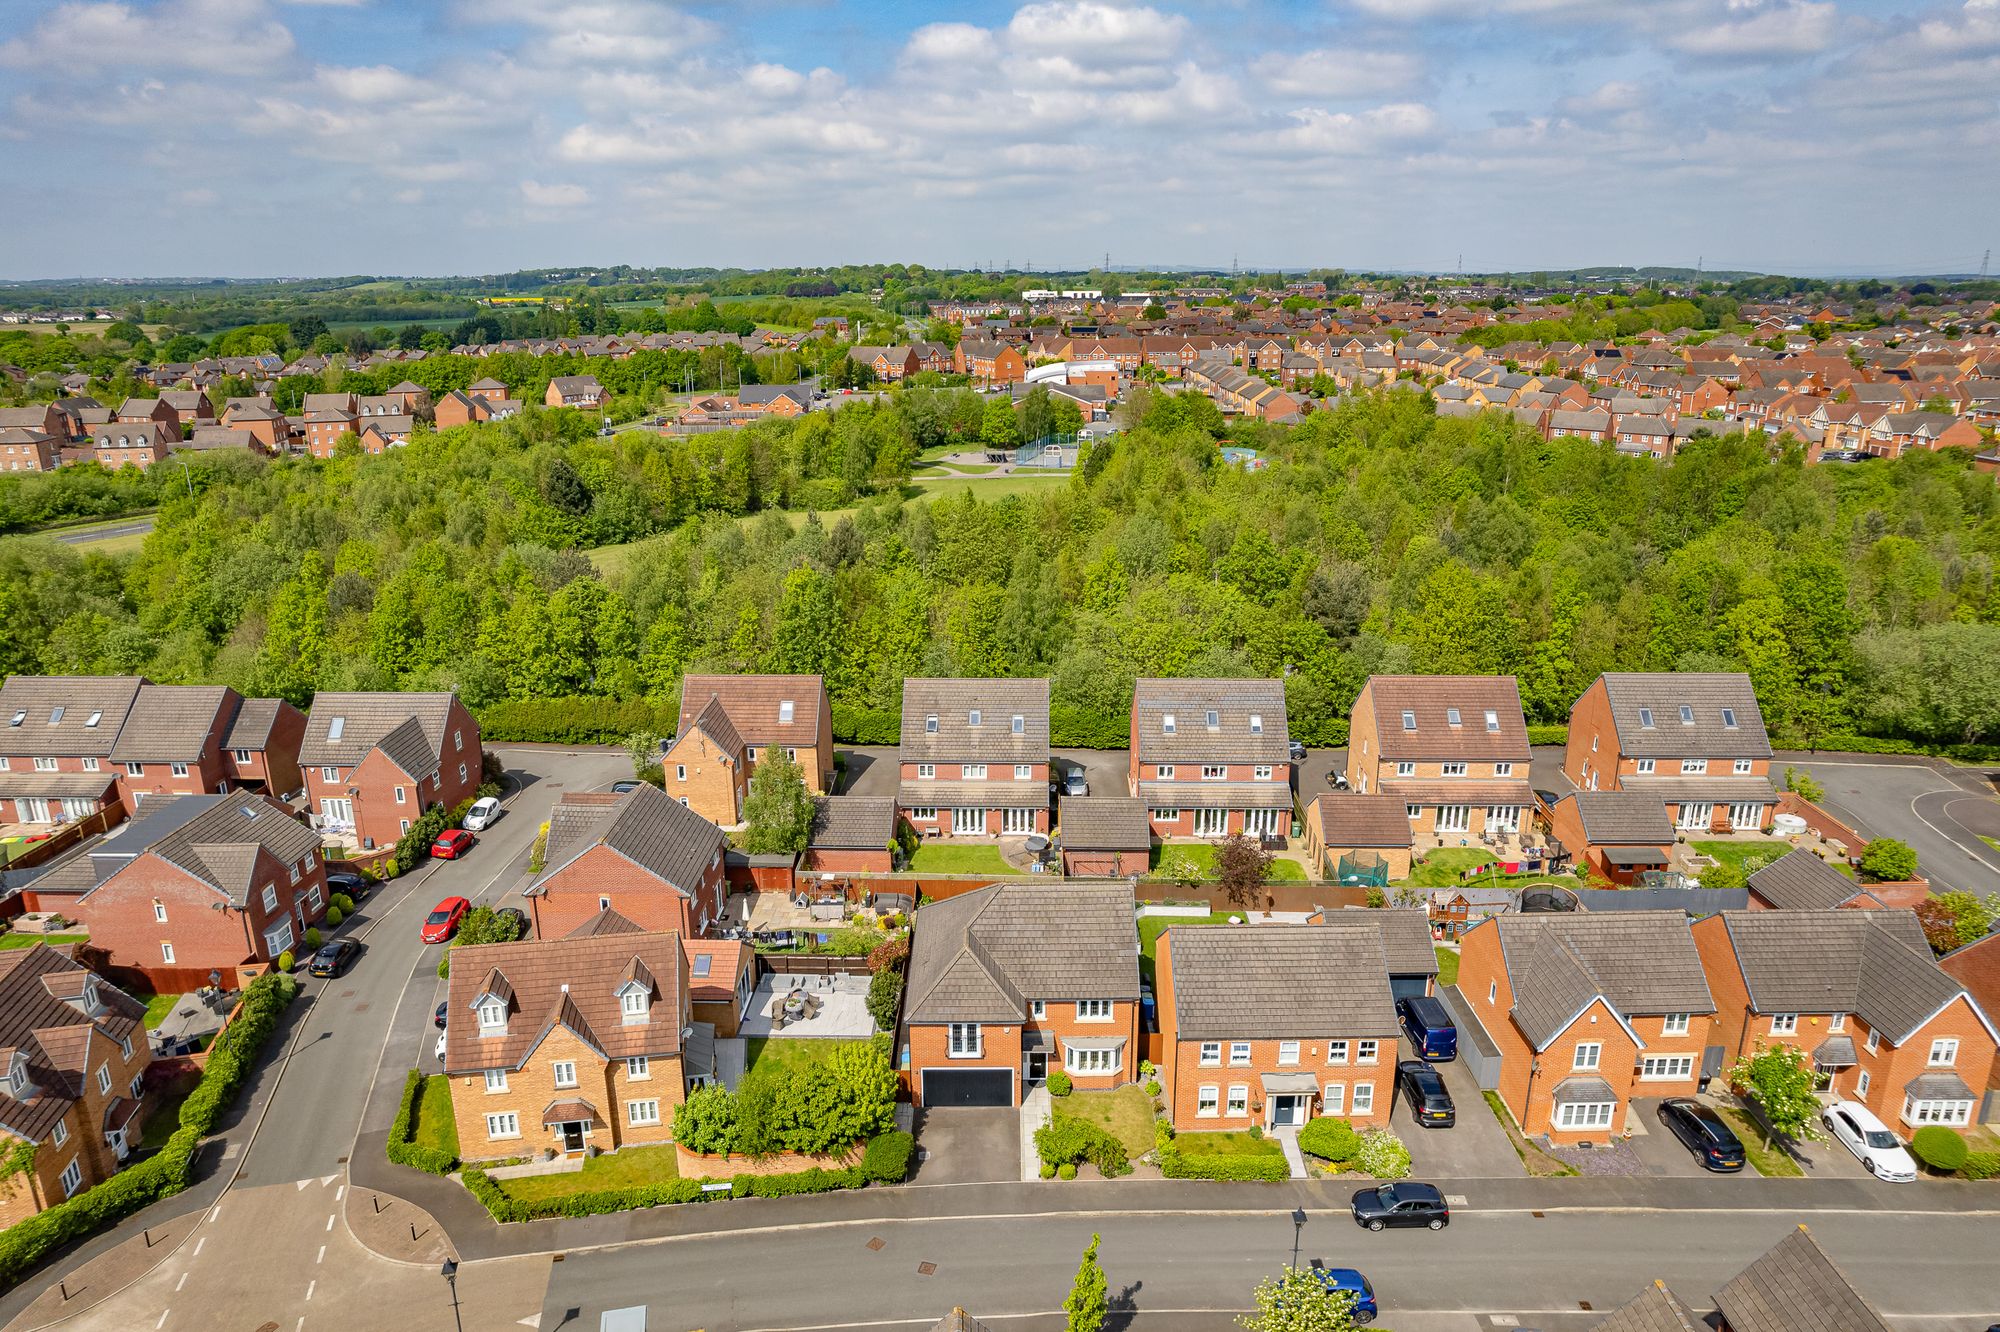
point(950, 858)
point(30, 940)
point(435, 1126)
point(157, 1008)
point(787, 1056)
point(1228, 1142)
point(1152, 927)
point(1447, 965)
point(624, 1169)
point(1202, 856)
point(1773, 1162)
point(1126, 1113)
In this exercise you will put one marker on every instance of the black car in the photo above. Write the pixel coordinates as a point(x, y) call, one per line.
point(1424, 1090)
point(624, 788)
point(518, 917)
point(1296, 751)
point(334, 958)
point(1703, 1132)
point(341, 881)
point(440, 1015)
point(1401, 1204)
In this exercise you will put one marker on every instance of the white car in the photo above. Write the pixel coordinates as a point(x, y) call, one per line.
point(485, 812)
point(440, 1048)
point(1880, 1152)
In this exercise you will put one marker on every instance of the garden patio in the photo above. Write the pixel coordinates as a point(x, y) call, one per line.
point(809, 1006)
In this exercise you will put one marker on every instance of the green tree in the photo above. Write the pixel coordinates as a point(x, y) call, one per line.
point(643, 748)
point(1802, 783)
point(1088, 1302)
point(806, 638)
point(778, 809)
point(1780, 1079)
point(1241, 864)
point(999, 428)
point(1296, 1300)
point(1889, 860)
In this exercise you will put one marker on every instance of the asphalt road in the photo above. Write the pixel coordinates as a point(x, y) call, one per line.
point(86, 535)
point(1196, 1269)
point(1916, 804)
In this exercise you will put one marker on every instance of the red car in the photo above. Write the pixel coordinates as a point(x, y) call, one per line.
point(452, 845)
point(443, 921)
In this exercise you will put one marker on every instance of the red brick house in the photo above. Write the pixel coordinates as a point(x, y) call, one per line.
point(788, 712)
point(1212, 757)
point(56, 734)
point(132, 443)
point(260, 750)
point(1695, 741)
point(1617, 833)
point(1233, 1056)
point(581, 391)
point(988, 362)
point(1012, 981)
point(1453, 748)
point(974, 757)
point(373, 763)
point(641, 854)
point(852, 834)
point(194, 884)
point(26, 450)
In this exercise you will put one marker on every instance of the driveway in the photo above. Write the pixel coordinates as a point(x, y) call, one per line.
point(968, 1145)
point(1475, 1147)
point(870, 771)
point(1913, 803)
point(1659, 1150)
point(1106, 770)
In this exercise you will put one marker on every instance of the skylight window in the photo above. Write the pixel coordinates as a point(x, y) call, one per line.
point(1211, 719)
point(1167, 723)
point(1256, 723)
point(335, 727)
point(972, 718)
point(19, 717)
point(702, 962)
point(1409, 721)
point(249, 811)
point(93, 719)
point(56, 714)
point(785, 712)
point(1729, 718)
point(1452, 718)
point(1492, 720)
point(1687, 715)
point(930, 725)
point(1018, 724)
point(1646, 718)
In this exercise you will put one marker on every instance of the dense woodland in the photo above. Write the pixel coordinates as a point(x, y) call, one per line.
point(1379, 538)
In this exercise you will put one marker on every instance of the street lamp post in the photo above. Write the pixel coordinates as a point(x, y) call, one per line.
point(1298, 1228)
point(450, 1274)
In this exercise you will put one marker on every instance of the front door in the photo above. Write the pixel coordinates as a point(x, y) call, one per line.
point(1695, 816)
point(1037, 1066)
point(1287, 1110)
point(1454, 818)
point(572, 1136)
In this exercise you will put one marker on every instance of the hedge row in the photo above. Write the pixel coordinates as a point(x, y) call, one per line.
point(171, 1169)
point(1849, 743)
point(1557, 734)
point(577, 720)
point(665, 1193)
point(403, 1149)
point(1176, 1164)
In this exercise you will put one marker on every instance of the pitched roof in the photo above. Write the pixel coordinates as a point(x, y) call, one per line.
point(644, 825)
point(713, 721)
point(980, 957)
point(214, 838)
point(1430, 699)
point(993, 740)
point(853, 823)
point(1874, 964)
point(1638, 962)
point(1406, 936)
point(1699, 732)
point(251, 727)
point(1654, 1309)
point(1795, 1288)
point(572, 982)
point(365, 721)
point(45, 1018)
point(1351, 819)
point(1801, 881)
point(65, 716)
point(169, 723)
point(755, 703)
point(606, 921)
point(1105, 823)
point(1235, 704)
point(1629, 818)
point(1243, 982)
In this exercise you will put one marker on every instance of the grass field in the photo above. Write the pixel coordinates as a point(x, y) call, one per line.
point(435, 1126)
point(943, 469)
point(623, 1169)
point(1126, 1114)
point(1772, 1162)
point(1737, 853)
point(985, 487)
point(787, 1055)
point(30, 940)
point(1203, 856)
point(1442, 868)
point(123, 543)
point(1228, 1142)
point(1447, 965)
point(938, 858)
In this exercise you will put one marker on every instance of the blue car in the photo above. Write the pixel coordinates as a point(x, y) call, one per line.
point(1351, 1281)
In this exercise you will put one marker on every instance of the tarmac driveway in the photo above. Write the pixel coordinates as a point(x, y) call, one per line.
point(1105, 769)
point(1475, 1147)
point(968, 1145)
point(1657, 1147)
point(870, 770)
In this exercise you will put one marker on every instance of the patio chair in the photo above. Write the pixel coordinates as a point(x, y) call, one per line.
point(778, 1016)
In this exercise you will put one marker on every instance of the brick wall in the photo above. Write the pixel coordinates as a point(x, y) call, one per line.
point(567, 899)
point(531, 1088)
point(1590, 723)
point(122, 921)
point(705, 779)
point(1000, 1047)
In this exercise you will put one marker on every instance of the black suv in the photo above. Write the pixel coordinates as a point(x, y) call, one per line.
point(1429, 1102)
point(1401, 1204)
point(1703, 1132)
point(333, 958)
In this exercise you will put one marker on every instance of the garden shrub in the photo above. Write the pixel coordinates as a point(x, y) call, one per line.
point(343, 903)
point(573, 720)
point(1153, 1087)
point(1048, 1171)
point(1330, 1138)
point(1067, 1141)
point(313, 939)
point(285, 960)
point(1980, 1165)
point(334, 915)
point(1059, 1083)
point(1177, 1164)
point(1940, 1147)
point(886, 1159)
point(1067, 1170)
point(403, 1149)
point(1382, 1154)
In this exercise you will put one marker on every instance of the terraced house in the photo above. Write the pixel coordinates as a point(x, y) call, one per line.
point(1212, 757)
point(974, 759)
point(373, 763)
point(1453, 748)
point(1695, 741)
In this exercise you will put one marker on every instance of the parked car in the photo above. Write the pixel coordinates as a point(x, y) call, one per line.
point(1703, 1132)
point(452, 844)
point(341, 881)
point(1347, 1279)
point(485, 812)
point(444, 919)
point(1429, 1027)
point(1298, 753)
point(440, 1015)
point(1880, 1151)
point(518, 917)
point(625, 787)
point(333, 958)
point(1404, 1203)
point(1076, 782)
point(1424, 1089)
point(440, 1047)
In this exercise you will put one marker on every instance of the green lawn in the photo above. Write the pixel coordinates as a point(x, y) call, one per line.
point(157, 1008)
point(984, 487)
point(1773, 1162)
point(30, 940)
point(1202, 856)
point(1737, 853)
point(950, 858)
point(435, 1126)
point(1152, 927)
point(624, 1169)
point(787, 1055)
point(164, 1115)
point(1447, 966)
point(1126, 1113)
point(1228, 1142)
point(934, 470)
point(1442, 868)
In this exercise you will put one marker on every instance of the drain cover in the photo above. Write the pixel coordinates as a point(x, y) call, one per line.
point(876, 1245)
point(926, 1269)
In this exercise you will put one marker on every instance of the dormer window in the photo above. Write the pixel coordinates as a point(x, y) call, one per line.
point(492, 1016)
point(1729, 718)
point(1256, 723)
point(1018, 724)
point(634, 1002)
point(1167, 724)
point(930, 725)
point(972, 717)
point(1492, 720)
point(1452, 718)
point(785, 712)
point(17, 1078)
point(1687, 715)
point(1409, 720)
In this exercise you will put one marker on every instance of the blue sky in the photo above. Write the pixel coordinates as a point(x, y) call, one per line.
point(302, 137)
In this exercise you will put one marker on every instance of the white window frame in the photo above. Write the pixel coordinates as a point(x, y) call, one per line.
point(1211, 1054)
point(503, 1124)
point(562, 1074)
point(1163, 771)
point(1874, 1041)
point(1092, 1061)
point(1239, 1099)
point(1958, 1113)
point(1336, 1052)
point(1453, 769)
point(964, 1040)
point(642, 1114)
point(1861, 1082)
point(1024, 772)
point(1666, 1068)
point(1288, 1052)
point(973, 772)
point(1261, 772)
point(61, 1133)
point(1333, 1098)
point(496, 1081)
point(104, 1079)
point(1838, 1022)
point(635, 1003)
point(135, 770)
point(1239, 1054)
point(1674, 1024)
point(1207, 1101)
point(1215, 772)
point(159, 911)
point(926, 772)
point(1944, 1052)
point(1588, 1058)
point(1585, 1114)
point(72, 1177)
point(1503, 770)
point(1644, 768)
point(1364, 1098)
point(1038, 1009)
point(166, 952)
point(1406, 769)
point(492, 1017)
point(178, 769)
point(1366, 1052)
point(1692, 768)
point(270, 898)
point(1784, 1024)
point(1742, 768)
point(1093, 1010)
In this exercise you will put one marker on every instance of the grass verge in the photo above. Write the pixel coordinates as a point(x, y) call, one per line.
point(1771, 1162)
point(1538, 1163)
point(30, 940)
point(1447, 965)
point(436, 1126)
point(1126, 1113)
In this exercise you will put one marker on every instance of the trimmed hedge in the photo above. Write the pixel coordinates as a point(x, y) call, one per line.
point(1554, 734)
point(1072, 727)
point(1940, 1147)
point(886, 1159)
point(581, 720)
point(170, 1170)
point(666, 1193)
point(1980, 1165)
point(1176, 1164)
point(403, 1149)
point(1330, 1139)
point(866, 726)
point(1850, 743)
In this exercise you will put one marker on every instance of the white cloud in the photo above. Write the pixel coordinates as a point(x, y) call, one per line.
point(1338, 74)
point(597, 33)
point(1079, 29)
point(212, 35)
point(1786, 28)
point(957, 44)
point(554, 196)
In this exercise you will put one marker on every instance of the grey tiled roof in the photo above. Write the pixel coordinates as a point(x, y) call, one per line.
point(1216, 795)
point(645, 825)
point(1244, 982)
point(973, 795)
point(1641, 962)
point(1189, 702)
point(1586, 1088)
point(992, 741)
point(213, 837)
point(853, 823)
point(1655, 1309)
point(168, 723)
point(107, 697)
point(1937, 1085)
point(365, 720)
point(1629, 818)
point(1406, 936)
point(981, 956)
point(251, 727)
point(1105, 823)
point(1801, 881)
point(1721, 790)
point(1461, 791)
point(1707, 694)
point(958, 1320)
point(1875, 964)
point(1429, 697)
point(1795, 1288)
point(1349, 819)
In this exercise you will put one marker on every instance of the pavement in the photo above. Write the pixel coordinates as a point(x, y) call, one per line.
point(1937, 808)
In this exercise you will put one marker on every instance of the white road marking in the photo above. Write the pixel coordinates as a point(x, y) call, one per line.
point(163, 1320)
point(300, 1324)
point(329, 1223)
point(325, 1180)
point(340, 1193)
point(322, 1254)
point(214, 1212)
point(182, 1282)
point(310, 1287)
point(197, 1246)
point(302, 1185)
